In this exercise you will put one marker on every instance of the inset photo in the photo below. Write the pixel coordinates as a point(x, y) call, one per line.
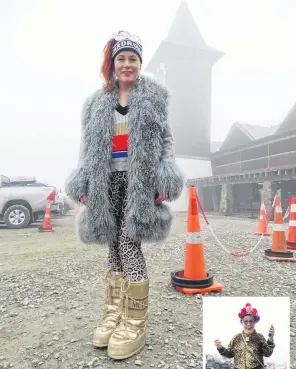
point(246, 332)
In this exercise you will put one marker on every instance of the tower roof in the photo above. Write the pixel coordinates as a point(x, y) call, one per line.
point(182, 37)
point(184, 30)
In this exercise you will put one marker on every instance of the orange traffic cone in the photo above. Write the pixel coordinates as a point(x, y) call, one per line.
point(46, 227)
point(194, 278)
point(291, 241)
point(262, 228)
point(195, 266)
point(279, 247)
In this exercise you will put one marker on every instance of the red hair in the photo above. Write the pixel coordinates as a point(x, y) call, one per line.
point(107, 68)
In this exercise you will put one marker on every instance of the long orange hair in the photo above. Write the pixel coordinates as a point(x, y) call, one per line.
point(107, 68)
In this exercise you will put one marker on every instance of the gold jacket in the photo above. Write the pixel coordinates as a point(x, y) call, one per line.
point(248, 354)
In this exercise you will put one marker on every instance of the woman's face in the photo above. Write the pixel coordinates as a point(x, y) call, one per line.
point(127, 67)
point(248, 323)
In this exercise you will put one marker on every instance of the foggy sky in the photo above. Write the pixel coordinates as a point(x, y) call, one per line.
point(51, 52)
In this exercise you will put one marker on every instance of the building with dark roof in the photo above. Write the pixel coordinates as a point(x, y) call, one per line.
point(253, 162)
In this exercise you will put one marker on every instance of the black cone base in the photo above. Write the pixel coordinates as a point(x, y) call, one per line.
point(178, 280)
point(41, 229)
point(275, 254)
point(291, 243)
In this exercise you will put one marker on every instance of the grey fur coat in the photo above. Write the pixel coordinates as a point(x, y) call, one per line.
point(152, 168)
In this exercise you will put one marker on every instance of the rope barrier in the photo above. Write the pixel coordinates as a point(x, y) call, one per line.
point(268, 216)
point(287, 214)
point(288, 210)
point(232, 253)
point(220, 243)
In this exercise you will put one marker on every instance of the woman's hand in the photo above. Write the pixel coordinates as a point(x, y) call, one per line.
point(271, 332)
point(218, 344)
point(83, 199)
point(159, 199)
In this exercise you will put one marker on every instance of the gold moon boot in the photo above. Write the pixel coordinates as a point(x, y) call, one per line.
point(111, 315)
point(130, 335)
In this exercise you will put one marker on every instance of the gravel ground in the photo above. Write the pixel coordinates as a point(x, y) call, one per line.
point(51, 293)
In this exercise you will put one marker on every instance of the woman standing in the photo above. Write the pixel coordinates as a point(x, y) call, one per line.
point(126, 170)
point(249, 347)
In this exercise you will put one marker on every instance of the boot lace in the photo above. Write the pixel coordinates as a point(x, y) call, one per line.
point(123, 306)
point(107, 301)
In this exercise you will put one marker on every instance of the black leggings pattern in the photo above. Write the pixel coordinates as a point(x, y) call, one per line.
point(125, 255)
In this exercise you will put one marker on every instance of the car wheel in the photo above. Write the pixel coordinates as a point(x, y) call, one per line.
point(17, 216)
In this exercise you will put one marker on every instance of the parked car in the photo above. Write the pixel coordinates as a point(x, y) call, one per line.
point(23, 200)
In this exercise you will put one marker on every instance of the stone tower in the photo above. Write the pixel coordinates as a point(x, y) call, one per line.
point(183, 62)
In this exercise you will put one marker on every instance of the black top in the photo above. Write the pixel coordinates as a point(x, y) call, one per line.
point(123, 110)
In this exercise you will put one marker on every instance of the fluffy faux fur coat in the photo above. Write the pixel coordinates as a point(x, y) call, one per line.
point(150, 172)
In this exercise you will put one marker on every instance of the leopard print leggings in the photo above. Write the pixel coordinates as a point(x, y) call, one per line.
point(125, 255)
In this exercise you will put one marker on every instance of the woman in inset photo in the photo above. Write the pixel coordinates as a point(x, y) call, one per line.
point(246, 332)
point(248, 347)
